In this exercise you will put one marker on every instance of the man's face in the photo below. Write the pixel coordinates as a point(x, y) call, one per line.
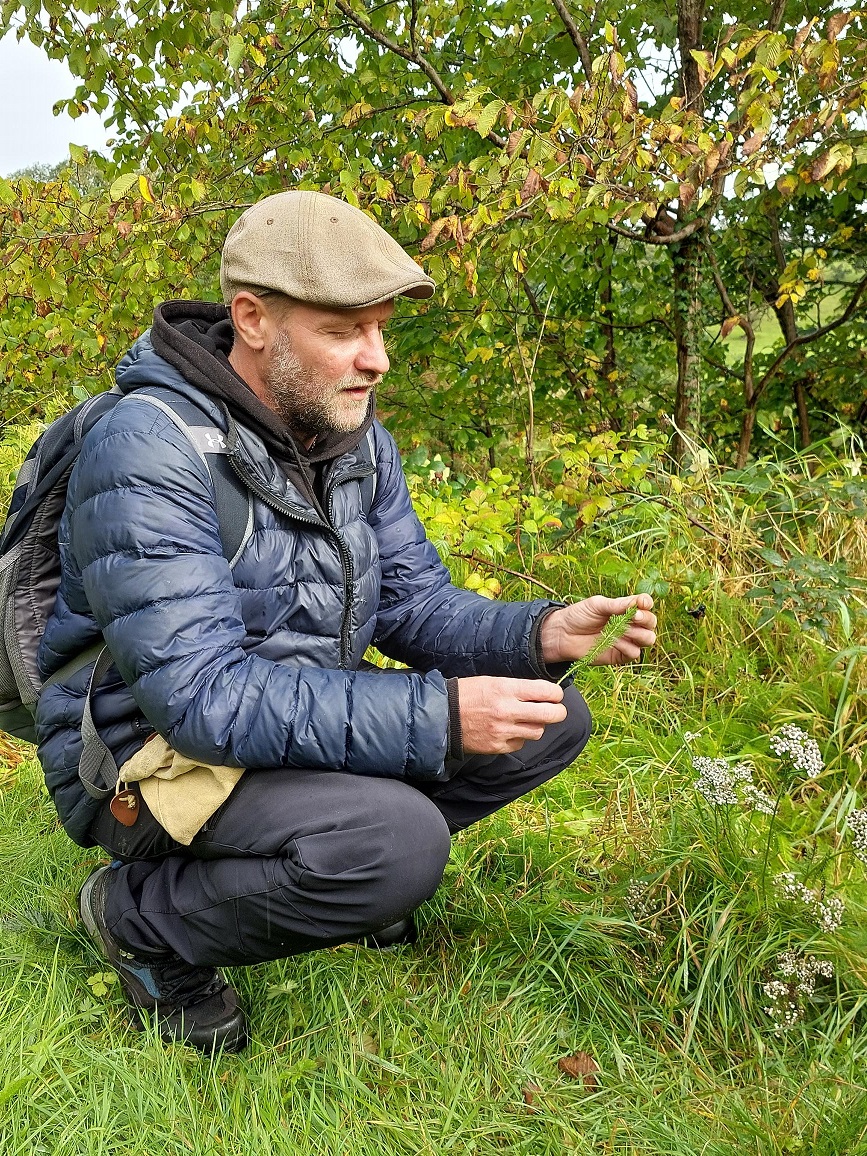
point(323, 365)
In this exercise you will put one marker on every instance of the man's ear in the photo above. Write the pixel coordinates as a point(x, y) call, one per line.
point(250, 320)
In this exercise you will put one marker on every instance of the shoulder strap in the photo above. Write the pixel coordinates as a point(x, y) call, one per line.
point(234, 506)
point(233, 500)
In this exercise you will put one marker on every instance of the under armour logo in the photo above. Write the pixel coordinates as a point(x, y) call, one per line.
point(215, 441)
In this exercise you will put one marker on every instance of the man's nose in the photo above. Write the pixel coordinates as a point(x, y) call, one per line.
point(372, 357)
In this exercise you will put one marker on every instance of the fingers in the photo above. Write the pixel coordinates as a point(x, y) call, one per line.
point(538, 714)
point(535, 690)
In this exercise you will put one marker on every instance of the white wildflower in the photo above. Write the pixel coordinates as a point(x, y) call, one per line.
point(857, 824)
point(786, 996)
point(802, 752)
point(792, 889)
point(638, 901)
point(725, 786)
point(691, 736)
point(715, 781)
point(827, 911)
point(759, 800)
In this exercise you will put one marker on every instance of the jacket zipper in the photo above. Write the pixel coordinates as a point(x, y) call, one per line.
point(342, 549)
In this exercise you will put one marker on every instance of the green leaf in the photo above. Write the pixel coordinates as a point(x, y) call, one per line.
point(488, 117)
point(614, 629)
point(78, 153)
point(7, 193)
point(236, 51)
point(122, 185)
point(421, 186)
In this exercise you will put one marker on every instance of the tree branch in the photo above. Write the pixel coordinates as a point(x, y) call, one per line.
point(413, 56)
point(505, 569)
point(812, 335)
point(576, 37)
point(675, 238)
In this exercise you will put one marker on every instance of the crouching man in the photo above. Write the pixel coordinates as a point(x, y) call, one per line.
point(274, 796)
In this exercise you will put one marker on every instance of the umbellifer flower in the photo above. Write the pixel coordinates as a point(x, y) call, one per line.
point(725, 786)
point(857, 824)
point(796, 746)
point(786, 996)
point(827, 911)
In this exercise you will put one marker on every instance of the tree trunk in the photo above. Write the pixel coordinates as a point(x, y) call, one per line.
point(686, 257)
point(686, 263)
point(789, 328)
point(748, 424)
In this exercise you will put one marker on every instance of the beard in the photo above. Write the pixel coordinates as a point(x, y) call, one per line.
point(308, 403)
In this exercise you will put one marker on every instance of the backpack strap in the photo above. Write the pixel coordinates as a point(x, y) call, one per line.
point(96, 765)
point(232, 499)
point(97, 769)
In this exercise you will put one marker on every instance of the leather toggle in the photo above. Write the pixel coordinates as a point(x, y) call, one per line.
point(124, 806)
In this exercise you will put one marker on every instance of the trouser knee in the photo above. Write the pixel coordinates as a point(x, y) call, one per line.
point(385, 867)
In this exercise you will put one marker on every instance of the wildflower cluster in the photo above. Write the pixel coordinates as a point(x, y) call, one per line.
point(639, 901)
point(857, 824)
point(826, 910)
point(786, 995)
point(725, 786)
point(799, 749)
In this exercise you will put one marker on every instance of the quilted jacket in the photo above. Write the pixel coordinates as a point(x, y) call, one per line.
point(254, 666)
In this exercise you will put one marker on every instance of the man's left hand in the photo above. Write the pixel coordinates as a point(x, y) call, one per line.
point(570, 633)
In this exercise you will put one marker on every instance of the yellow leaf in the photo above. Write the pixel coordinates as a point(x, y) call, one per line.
point(144, 187)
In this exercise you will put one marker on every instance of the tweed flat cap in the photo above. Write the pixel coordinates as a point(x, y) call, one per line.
point(317, 249)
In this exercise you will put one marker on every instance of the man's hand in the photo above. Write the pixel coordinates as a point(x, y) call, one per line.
point(499, 715)
point(570, 633)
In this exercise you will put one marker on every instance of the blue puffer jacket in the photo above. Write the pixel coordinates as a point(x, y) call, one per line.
point(253, 666)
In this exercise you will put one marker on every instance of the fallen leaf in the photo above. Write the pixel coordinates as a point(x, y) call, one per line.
point(529, 1093)
point(580, 1066)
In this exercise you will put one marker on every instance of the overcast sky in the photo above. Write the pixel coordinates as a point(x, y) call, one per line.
point(30, 83)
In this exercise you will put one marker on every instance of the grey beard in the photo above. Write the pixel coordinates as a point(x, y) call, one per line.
point(308, 405)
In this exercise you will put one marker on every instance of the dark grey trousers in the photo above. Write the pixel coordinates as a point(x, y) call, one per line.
point(296, 860)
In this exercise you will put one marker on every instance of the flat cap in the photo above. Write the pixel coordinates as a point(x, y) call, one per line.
point(317, 249)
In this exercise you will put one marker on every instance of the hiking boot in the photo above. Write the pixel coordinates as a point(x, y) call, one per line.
point(396, 935)
point(191, 1005)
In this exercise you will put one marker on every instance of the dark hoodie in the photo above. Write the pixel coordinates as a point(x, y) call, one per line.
point(196, 338)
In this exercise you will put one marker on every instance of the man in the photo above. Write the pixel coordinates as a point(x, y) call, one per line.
point(353, 780)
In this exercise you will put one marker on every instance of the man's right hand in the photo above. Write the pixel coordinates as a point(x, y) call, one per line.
point(499, 715)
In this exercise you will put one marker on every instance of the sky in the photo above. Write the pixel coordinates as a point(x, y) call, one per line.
point(30, 83)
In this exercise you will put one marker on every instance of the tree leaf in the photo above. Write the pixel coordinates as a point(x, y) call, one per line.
point(144, 187)
point(836, 25)
point(728, 325)
point(236, 51)
point(580, 1066)
point(488, 116)
point(122, 185)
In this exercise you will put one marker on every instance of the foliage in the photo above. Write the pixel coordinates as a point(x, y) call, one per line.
point(607, 202)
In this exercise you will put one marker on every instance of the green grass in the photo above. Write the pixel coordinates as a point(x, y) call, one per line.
point(528, 953)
